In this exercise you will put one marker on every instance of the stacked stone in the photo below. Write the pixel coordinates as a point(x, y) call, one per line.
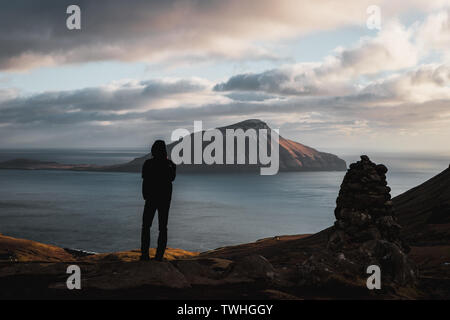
point(364, 209)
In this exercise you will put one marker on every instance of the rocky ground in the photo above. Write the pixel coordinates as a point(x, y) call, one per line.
point(407, 236)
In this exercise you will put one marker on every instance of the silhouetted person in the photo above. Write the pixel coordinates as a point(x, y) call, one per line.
point(158, 174)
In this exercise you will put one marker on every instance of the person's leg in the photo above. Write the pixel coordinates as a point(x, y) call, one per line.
point(147, 219)
point(163, 218)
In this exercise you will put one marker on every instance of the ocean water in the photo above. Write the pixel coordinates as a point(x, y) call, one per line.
point(102, 212)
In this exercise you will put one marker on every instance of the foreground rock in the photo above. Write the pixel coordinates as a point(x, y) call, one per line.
point(21, 250)
point(286, 267)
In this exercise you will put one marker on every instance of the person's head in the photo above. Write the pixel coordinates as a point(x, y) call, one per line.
point(159, 150)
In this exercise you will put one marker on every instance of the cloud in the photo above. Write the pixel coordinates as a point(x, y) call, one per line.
point(34, 35)
point(434, 33)
point(115, 102)
point(425, 83)
point(379, 86)
point(120, 113)
point(391, 50)
point(115, 106)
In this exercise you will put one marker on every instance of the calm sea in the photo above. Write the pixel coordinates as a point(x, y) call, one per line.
point(102, 211)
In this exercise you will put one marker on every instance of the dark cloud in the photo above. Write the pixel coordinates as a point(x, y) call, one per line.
point(33, 33)
point(92, 104)
point(249, 96)
point(268, 81)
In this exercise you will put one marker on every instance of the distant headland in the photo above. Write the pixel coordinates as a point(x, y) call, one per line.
point(293, 156)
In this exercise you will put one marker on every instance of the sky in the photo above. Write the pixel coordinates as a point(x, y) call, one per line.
point(137, 70)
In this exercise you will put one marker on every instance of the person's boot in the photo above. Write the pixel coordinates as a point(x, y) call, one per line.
point(144, 258)
point(158, 258)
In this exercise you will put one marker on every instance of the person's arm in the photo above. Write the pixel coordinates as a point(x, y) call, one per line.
point(144, 170)
point(144, 185)
point(172, 171)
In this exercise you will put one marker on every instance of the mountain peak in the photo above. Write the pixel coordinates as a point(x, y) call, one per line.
point(249, 124)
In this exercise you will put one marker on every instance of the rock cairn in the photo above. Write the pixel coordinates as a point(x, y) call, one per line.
point(366, 229)
point(364, 208)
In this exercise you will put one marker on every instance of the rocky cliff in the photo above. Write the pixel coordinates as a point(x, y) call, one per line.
point(424, 211)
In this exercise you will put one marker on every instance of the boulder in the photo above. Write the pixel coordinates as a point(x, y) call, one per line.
point(120, 275)
point(206, 271)
point(254, 267)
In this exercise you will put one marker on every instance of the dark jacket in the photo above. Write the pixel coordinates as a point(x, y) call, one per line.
point(158, 175)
